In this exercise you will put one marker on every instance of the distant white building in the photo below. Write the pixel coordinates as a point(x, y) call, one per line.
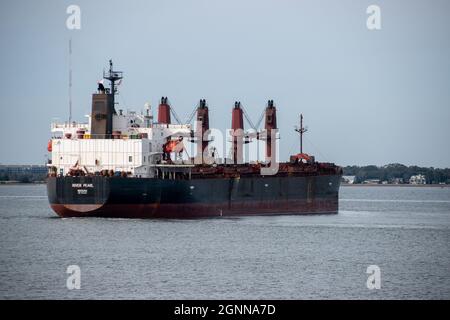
point(348, 179)
point(417, 179)
point(372, 181)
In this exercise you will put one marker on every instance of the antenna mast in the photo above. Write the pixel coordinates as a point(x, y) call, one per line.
point(301, 130)
point(70, 81)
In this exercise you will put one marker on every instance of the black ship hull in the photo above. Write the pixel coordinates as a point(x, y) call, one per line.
point(98, 196)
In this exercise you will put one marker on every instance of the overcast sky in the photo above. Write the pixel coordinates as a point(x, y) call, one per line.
point(368, 97)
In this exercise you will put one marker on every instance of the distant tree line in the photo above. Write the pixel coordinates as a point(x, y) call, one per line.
point(395, 171)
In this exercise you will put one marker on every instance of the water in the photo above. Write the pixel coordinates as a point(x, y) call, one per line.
point(405, 231)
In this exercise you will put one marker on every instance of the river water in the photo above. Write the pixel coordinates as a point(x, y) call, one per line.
point(405, 231)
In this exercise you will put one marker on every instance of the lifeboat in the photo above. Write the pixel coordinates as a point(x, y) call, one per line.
point(49, 146)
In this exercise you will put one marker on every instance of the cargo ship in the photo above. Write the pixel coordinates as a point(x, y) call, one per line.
point(132, 165)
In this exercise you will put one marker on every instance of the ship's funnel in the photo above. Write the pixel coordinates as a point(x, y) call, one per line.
point(270, 125)
point(237, 126)
point(102, 115)
point(164, 111)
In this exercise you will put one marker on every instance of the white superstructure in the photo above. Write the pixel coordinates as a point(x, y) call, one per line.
point(138, 146)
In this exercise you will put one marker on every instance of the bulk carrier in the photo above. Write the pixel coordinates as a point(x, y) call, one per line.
point(130, 165)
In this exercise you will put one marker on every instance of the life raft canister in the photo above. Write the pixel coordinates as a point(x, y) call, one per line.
point(49, 146)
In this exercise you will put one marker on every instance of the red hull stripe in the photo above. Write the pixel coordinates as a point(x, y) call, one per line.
point(196, 210)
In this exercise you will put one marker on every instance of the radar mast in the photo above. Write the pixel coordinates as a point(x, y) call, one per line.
point(112, 76)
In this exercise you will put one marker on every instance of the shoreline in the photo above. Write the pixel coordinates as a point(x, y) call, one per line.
point(9, 183)
point(397, 185)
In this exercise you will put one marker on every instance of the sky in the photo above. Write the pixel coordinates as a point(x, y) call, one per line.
point(367, 96)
